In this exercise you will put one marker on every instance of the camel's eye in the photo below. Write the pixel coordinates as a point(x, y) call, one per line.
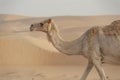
point(41, 24)
point(31, 25)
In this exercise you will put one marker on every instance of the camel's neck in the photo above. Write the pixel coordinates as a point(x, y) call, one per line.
point(66, 47)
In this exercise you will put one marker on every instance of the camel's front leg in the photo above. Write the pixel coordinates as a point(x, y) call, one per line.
point(87, 70)
point(98, 66)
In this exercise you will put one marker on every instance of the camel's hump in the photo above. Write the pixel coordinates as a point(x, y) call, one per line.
point(113, 28)
point(117, 23)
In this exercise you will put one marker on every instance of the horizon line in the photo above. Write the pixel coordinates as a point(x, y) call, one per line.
point(61, 15)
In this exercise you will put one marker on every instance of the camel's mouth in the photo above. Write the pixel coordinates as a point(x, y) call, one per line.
point(32, 28)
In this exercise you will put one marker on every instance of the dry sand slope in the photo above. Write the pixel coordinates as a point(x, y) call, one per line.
point(22, 51)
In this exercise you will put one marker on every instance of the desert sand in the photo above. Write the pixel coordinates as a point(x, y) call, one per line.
point(26, 55)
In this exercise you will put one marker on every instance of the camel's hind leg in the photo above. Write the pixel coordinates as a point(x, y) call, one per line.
point(87, 70)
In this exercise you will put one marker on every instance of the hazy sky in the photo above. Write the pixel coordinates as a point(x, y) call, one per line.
point(60, 7)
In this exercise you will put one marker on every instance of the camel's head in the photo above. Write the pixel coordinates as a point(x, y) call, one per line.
point(42, 26)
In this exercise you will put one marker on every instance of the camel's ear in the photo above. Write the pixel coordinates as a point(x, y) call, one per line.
point(50, 20)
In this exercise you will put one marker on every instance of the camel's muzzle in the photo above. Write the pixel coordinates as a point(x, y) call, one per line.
point(31, 27)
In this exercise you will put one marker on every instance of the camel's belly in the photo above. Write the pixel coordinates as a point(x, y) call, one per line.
point(111, 55)
point(111, 49)
point(111, 60)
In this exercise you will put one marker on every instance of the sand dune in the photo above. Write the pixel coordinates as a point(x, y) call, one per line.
point(24, 50)
point(8, 17)
point(26, 55)
point(17, 40)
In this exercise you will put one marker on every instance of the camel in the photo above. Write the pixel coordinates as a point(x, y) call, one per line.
point(98, 44)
